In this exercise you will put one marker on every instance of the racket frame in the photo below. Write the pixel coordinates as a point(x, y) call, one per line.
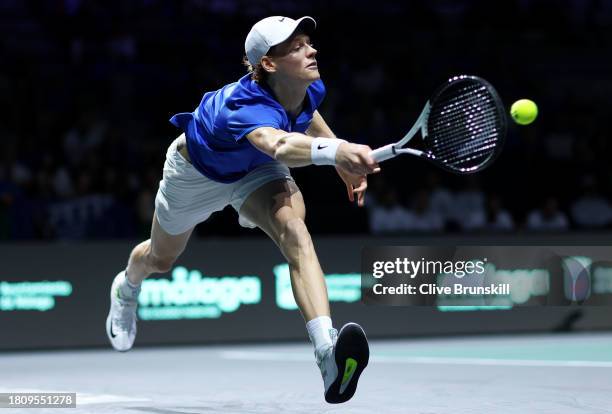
point(392, 150)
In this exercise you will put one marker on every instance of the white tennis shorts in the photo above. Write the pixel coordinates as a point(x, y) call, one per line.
point(186, 197)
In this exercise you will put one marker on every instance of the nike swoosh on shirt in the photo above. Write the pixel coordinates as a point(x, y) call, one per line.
point(321, 147)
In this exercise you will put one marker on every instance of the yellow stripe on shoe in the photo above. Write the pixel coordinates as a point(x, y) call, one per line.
point(350, 366)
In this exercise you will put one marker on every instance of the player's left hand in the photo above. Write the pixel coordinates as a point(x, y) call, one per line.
point(355, 185)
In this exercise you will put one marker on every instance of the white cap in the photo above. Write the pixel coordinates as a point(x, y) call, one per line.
point(272, 31)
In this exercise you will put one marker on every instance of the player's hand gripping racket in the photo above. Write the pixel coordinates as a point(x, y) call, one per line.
point(463, 127)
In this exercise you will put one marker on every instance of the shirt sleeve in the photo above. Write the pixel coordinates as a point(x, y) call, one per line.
point(317, 93)
point(247, 118)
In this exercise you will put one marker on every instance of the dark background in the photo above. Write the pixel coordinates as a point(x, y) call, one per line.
point(87, 88)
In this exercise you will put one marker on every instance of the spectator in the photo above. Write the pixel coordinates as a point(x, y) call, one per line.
point(440, 199)
point(387, 215)
point(467, 202)
point(494, 218)
point(421, 217)
point(549, 217)
point(591, 210)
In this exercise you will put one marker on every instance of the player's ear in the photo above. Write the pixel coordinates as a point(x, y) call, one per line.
point(268, 64)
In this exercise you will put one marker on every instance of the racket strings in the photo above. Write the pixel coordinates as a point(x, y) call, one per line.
point(464, 126)
point(456, 145)
point(475, 103)
point(473, 114)
point(457, 138)
point(466, 112)
point(467, 157)
point(468, 152)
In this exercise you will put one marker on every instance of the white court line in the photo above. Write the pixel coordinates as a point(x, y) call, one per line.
point(497, 362)
point(82, 398)
point(276, 356)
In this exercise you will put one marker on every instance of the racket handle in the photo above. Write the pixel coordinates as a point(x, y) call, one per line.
point(383, 153)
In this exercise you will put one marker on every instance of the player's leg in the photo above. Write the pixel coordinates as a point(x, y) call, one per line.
point(278, 209)
point(155, 255)
point(178, 208)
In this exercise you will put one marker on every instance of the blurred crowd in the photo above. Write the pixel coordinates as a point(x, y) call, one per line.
point(436, 208)
point(87, 88)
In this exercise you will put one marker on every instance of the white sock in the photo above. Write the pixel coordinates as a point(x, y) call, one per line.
point(128, 290)
point(318, 331)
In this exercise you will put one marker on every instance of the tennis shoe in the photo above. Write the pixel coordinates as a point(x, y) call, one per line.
point(342, 364)
point(121, 320)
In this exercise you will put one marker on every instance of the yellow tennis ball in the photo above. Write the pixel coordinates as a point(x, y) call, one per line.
point(524, 111)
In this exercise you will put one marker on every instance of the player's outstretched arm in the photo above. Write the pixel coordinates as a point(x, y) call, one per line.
point(356, 184)
point(298, 150)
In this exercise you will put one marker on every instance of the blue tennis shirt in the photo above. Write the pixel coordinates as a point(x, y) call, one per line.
point(215, 130)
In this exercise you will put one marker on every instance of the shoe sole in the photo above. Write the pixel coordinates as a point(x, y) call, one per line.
point(352, 354)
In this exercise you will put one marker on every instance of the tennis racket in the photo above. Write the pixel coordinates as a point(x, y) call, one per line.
point(463, 127)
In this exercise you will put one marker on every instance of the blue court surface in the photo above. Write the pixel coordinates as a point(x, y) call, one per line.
point(565, 373)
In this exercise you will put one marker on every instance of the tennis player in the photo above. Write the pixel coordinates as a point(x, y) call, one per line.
point(235, 150)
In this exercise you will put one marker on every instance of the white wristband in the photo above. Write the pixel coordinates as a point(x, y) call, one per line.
point(323, 150)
